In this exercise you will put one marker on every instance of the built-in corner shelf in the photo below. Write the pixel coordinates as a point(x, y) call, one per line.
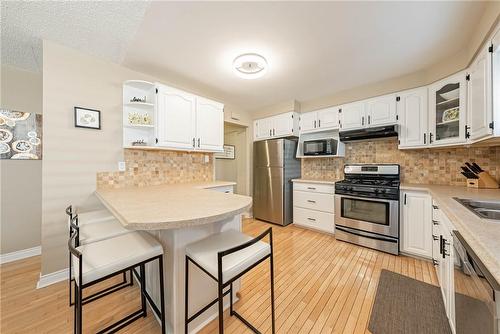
point(138, 116)
point(326, 134)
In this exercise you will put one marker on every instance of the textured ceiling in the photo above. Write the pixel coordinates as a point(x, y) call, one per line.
point(101, 28)
point(313, 48)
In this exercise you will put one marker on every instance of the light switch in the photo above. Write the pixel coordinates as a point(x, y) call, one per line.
point(121, 166)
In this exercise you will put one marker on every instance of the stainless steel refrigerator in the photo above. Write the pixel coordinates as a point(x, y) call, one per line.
point(275, 166)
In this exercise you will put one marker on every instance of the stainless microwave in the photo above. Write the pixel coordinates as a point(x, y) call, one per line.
point(320, 147)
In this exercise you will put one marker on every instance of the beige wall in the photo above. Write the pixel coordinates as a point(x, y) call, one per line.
point(234, 170)
point(21, 183)
point(73, 156)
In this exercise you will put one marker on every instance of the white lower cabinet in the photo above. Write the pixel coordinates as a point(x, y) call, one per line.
point(313, 206)
point(416, 223)
point(443, 259)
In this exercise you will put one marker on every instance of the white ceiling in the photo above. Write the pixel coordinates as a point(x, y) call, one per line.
point(100, 28)
point(313, 48)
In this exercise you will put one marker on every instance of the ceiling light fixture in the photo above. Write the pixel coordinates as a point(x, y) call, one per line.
point(250, 66)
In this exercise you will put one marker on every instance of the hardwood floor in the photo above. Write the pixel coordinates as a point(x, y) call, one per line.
point(321, 286)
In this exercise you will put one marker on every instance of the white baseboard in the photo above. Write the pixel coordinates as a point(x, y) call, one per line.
point(19, 255)
point(52, 278)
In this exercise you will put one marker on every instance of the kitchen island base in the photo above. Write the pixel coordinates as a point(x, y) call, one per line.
point(202, 288)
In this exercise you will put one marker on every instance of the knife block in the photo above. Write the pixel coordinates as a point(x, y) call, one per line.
point(485, 181)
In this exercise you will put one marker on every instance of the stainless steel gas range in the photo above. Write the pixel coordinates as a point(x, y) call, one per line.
point(367, 206)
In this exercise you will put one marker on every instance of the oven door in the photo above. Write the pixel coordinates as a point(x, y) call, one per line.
point(374, 215)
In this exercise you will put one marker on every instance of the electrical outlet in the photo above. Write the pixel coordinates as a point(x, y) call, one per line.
point(121, 166)
point(207, 159)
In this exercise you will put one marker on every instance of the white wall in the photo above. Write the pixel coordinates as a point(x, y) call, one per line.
point(21, 180)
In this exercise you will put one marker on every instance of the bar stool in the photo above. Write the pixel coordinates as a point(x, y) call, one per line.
point(95, 226)
point(225, 257)
point(98, 261)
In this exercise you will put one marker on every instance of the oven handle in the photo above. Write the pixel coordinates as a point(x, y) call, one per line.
point(363, 234)
point(368, 198)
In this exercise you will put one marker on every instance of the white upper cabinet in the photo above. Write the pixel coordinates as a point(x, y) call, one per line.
point(328, 118)
point(308, 121)
point(323, 119)
point(479, 109)
point(176, 118)
point(188, 122)
point(209, 125)
point(381, 110)
point(447, 110)
point(282, 125)
point(263, 128)
point(352, 116)
point(495, 68)
point(412, 111)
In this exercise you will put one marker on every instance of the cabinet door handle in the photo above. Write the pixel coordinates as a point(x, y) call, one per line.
point(198, 142)
point(319, 123)
point(362, 120)
point(435, 222)
point(311, 201)
point(405, 200)
point(467, 133)
point(435, 238)
point(194, 142)
point(311, 219)
point(430, 138)
point(441, 244)
point(434, 262)
point(311, 188)
point(270, 132)
point(424, 138)
point(274, 132)
point(435, 207)
point(369, 119)
point(315, 124)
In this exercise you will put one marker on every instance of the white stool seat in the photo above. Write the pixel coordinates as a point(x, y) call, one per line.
point(96, 216)
point(109, 256)
point(204, 253)
point(100, 230)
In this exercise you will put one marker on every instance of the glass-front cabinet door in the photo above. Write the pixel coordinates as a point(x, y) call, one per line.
point(447, 110)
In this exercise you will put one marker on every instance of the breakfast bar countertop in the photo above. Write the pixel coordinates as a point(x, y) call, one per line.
point(172, 206)
point(481, 234)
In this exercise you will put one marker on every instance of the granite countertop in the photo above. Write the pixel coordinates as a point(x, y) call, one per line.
point(482, 235)
point(172, 206)
point(317, 181)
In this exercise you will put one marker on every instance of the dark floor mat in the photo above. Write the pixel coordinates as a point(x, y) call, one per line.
point(405, 305)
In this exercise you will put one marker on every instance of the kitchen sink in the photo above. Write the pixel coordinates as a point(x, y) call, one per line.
point(484, 209)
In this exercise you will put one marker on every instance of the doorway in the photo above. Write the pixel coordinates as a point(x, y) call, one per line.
point(234, 170)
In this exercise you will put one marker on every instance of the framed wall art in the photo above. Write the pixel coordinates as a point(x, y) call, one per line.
point(87, 118)
point(229, 153)
point(20, 135)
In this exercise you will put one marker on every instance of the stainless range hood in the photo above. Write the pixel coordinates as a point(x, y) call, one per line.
point(369, 133)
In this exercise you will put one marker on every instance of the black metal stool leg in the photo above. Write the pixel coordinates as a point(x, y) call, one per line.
point(186, 295)
point(143, 291)
point(221, 307)
point(231, 299)
point(272, 293)
point(162, 294)
point(80, 306)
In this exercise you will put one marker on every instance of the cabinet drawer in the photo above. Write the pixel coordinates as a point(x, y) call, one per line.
point(314, 201)
point(314, 219)
point(314, 187)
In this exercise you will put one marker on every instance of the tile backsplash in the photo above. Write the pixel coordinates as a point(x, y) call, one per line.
point(426, 166)
point(154, 167)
